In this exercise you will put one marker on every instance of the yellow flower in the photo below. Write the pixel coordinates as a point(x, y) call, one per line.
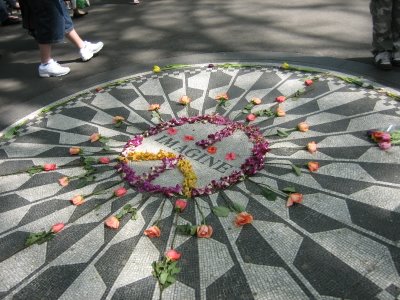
point(156, 69)
point(285, 66)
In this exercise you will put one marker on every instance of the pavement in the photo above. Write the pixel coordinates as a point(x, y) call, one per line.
point(341, 242)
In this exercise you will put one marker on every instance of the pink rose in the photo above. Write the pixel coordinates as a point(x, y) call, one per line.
point(204, 231)
point(251, 117)
point(313, 166)
point(49, 167)
point(172, 131)
point(112, 222)
point(77, 200)
point(180, 205)
point(230, 156)
point(104, 160)
point(184, 100)
point(280, 112)
point(74, 150)
point(152, 232)
point(312, 147)
point(63, 181)
point(56, 228)
point(173, 255)
point(243, 218)
point(385, 145)
point(95, 137)
point(120, 192)
point(280, 99)
point(303, 127)
point(386, 137)
point(294, 198)
point(308, 82)
point(153, 107)
point(256, 101)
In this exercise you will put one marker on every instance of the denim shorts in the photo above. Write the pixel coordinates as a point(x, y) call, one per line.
point(51, 21)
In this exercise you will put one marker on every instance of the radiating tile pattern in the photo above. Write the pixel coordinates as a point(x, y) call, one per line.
point(342, 242)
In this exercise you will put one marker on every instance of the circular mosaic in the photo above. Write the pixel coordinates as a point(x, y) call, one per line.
point(205, 182)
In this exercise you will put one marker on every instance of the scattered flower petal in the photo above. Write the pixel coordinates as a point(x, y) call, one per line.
point(204, 231)
point(243, 218)
point(212, 149)
point(112, 222)
point(188, 138)
point(153, 232)
point(280, 99)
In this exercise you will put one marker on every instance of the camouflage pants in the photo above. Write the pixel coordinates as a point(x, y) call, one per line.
point(386, 25)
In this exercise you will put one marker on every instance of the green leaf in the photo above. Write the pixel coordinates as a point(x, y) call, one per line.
point(289, 189)
point(106, 148)
point(163, 278)
point(171, 279)
point(249, 106)
point(34, 170)
point(245, 111)
point(237, 207)
point(104, 140)
point(186, 229)
point(155, 114)
point(221, 211)
point(193, 230)
point(268, 194)
point(282, 133)
point(175, 271)
point(296, 169)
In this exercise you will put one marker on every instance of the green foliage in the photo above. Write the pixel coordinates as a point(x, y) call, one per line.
point(127, 209)
point(289, 189)
point(165, 271)
point(282, 133)
point(38, 238)
point(296, 170)
point(186, 229)
point(221, 211)
point(34, 170)
point(268, 194)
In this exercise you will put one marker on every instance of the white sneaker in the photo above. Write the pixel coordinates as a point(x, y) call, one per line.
point(396, 58)
point(90, 49)
point(383, 60)
point(52, 68)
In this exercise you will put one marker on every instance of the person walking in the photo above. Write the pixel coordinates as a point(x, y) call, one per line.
point(49, 22)
point(386, 32)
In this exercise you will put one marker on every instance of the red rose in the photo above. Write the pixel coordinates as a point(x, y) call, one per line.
point(230, 156)
point(172, 131)
point(120, 192)
point(173, 255)
point(180, 205)
point(251, 117)
point(294, 198)
point(212, 149)
point(280, 99)
point(204, 231)
point(112, 222)
point(243, 218)
point(188, 138)
point(308, 82)
point(152, 232)
point(49, 167)
point(104, 160)
point(57, 227)
point(313, 166)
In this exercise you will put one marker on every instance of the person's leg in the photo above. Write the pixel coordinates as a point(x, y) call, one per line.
point(382, 38)
point(75, 39)
point(3, 11)
point(396, 32)
point(45, 53)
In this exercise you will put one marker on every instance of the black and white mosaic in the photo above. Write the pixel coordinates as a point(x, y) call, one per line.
point(343, 241)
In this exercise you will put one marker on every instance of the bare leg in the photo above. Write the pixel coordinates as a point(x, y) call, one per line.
point(75, 39)
point(45, 53)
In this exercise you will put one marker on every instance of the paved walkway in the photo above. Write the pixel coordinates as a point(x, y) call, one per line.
point(340, 242)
